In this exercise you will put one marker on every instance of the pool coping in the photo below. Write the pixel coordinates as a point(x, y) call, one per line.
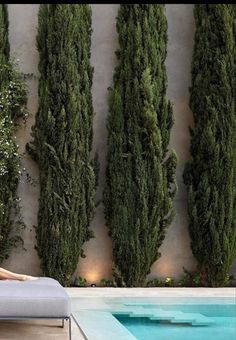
point(152, 292)
point(101, 326)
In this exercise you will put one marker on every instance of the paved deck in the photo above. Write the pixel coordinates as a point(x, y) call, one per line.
point(37, 330)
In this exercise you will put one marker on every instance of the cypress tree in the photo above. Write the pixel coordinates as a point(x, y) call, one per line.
point(140, 171)
point(210, 176)
point(12, 102)
point(63, 137)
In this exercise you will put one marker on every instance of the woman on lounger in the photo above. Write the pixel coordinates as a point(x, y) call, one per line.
point(7, 275)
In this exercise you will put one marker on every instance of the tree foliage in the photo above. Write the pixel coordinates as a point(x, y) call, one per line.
point(63, 137)
point(139, 189)
point(210, 176)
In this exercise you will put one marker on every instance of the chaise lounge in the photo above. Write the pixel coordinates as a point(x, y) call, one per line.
point(44, 298)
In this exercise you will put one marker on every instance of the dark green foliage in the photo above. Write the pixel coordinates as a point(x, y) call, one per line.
point(63, 137)
point(12, 102)
point(107, 283)
point(139, 191)
point(211, 175)
point(79, 282)
point(168, 282)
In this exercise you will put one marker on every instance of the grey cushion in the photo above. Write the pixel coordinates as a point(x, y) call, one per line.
point(44, 297)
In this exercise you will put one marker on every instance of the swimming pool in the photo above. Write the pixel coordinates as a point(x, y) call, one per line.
point(159, 318)
point(219, 318)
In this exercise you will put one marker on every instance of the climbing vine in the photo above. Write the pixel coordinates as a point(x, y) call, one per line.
point(12, 105)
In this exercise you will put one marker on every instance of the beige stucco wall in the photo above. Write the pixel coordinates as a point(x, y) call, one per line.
point(175, 250)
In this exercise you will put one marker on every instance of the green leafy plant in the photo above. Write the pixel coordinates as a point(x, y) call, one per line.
point(190, 279)
point(167, 282)
point(12, 106)
point(79, 282)
point(210, 176)
point(196, 279)
point(140, 175)
point(107, 283)
point(154, 283)
point(62, 138)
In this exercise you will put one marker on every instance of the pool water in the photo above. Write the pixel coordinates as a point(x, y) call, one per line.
point(221, 316)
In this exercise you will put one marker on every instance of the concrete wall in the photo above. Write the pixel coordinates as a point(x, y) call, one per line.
point(175, 250)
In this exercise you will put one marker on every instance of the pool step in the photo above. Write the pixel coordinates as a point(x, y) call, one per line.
point(195, 319)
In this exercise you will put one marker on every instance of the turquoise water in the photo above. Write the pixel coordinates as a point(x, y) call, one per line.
point(223, 315)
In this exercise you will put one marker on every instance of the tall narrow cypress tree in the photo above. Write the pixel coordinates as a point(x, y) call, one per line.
point(139, 191)
point(12, 102)
point(211, 175)
point(63, 137)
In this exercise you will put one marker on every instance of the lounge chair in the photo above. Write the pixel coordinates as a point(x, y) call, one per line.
point(44, 298)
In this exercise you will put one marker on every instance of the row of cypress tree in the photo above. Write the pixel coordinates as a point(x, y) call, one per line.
point(140, 177)
point(140, 181)
point(139, 193)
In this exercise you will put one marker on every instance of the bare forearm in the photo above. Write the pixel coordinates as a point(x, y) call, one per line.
point(7, 275)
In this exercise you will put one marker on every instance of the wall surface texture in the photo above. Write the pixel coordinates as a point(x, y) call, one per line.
point(176, 252)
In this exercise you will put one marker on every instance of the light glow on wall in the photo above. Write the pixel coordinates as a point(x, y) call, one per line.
point(164, 267)
point(93, 276)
